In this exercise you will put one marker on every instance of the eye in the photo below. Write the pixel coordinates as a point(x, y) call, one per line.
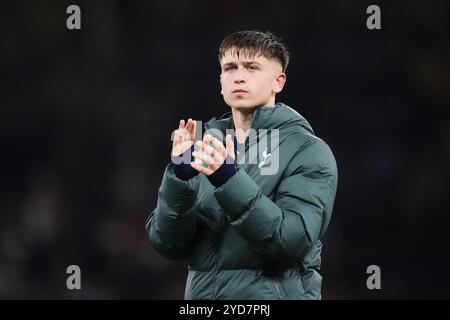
point(230, 68)
point(252, 67)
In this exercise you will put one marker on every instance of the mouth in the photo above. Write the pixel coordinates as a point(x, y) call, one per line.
point(239, 91)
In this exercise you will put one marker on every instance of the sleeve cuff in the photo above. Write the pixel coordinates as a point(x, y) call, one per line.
point(182, 165)
point(238, 194)
point(225, 172)
point(178, 194)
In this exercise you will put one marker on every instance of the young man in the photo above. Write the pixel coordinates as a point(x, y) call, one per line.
point(248, 234)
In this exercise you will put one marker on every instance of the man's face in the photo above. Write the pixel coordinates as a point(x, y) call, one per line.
point(250, 82)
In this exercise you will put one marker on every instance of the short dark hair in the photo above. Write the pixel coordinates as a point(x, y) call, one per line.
point(254, 43)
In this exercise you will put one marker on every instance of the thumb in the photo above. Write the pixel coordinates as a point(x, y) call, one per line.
point(230, 146)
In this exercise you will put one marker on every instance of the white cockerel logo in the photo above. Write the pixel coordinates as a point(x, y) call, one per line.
point(265, 157)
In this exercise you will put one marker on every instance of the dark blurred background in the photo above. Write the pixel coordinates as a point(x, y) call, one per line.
point(86, 117)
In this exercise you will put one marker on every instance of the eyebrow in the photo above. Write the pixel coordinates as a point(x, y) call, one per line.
point(245, 63)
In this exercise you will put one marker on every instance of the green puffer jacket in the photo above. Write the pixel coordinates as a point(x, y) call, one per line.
point(256, 236)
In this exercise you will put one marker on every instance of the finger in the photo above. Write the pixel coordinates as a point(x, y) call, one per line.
point(205, 157)
point(176, 143)
point(181, 126)
point(180, 137)
point(188, 130)
point(197, 165)
point(214, 160)
point(205, 147)
point(192, 131)
point(189, 125)
point(175, 138)
point(217, 145)
point(230, 146)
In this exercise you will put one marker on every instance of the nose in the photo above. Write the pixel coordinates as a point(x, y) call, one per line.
point(239, 76)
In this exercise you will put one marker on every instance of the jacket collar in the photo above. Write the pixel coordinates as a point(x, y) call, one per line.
point(260, 120)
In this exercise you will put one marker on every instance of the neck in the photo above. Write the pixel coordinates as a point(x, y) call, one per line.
point(243, 122)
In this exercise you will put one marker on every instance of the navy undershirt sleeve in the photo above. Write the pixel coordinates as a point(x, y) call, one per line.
point(184, 171)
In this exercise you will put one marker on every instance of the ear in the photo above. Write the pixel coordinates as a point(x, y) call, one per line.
point(279, 82)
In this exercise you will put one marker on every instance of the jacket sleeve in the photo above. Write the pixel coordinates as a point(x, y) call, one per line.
point(172, 224)
point(282, 230)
